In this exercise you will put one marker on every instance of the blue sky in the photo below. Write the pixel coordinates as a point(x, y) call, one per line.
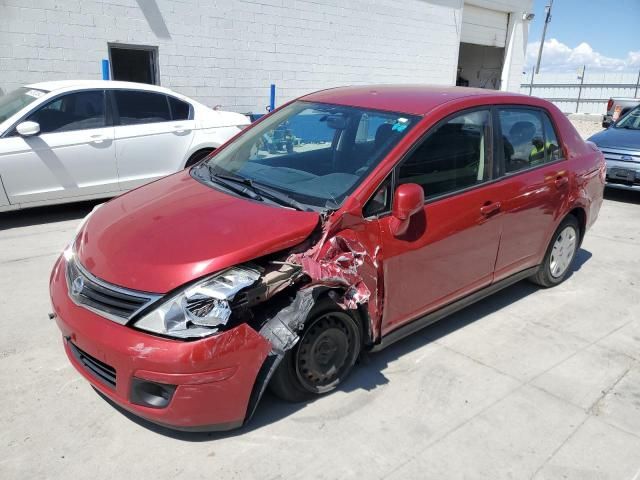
point(603, 34)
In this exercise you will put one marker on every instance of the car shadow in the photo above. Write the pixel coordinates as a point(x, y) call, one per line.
point(625, 196)
point(369, 373)
point(48, 214)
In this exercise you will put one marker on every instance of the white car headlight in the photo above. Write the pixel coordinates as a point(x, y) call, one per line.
point(200, 309)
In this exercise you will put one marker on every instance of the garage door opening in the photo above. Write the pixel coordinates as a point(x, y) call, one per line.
point(482, 43)
point(134, 64)
point(479, 66)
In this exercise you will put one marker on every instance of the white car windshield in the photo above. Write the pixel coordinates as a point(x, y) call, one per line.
point(312, 154)
point(14, 101)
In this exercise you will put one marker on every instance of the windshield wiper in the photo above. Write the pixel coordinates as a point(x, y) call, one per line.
point(241, 185)
point(278, 196)
point(254, 190)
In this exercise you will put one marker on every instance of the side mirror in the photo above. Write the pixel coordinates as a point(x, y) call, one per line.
point(27, 129)
point(407, 201)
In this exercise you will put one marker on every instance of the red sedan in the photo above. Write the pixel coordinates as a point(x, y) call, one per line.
point(341, 222)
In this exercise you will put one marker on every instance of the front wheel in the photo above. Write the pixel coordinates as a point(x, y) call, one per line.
point(323, 357)
point(560, 254)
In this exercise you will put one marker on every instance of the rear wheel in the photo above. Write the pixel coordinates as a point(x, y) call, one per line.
point(560, 254)
point(197, 156)
point(323, 357)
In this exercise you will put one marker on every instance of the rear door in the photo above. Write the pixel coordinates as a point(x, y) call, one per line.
point(152, 135)
point(72, 156)
point(450, 249)
point(536, 184)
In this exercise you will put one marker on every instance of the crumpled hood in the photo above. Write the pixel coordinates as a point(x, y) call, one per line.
point(174, 230)
point(617, 138)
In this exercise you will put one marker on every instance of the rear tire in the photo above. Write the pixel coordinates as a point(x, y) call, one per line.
point(323, 357)
point(560, 254)
point(197, 156)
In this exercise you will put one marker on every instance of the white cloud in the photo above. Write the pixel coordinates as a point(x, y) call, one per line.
point(558, 57)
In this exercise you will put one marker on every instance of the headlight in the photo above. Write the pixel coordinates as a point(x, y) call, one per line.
point(200, 309)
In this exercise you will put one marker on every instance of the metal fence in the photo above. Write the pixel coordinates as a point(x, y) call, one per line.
point(583, 91)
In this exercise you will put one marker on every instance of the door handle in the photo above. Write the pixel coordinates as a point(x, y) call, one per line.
point(97, 138)
point(561, 181)
point(489, 208)
point(180, 128)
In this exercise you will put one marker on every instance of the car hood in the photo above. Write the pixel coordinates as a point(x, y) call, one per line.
point(617, 138)
point(174, 230)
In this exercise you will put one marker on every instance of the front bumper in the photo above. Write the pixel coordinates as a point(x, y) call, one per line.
point(622, 174)
point(213, 377)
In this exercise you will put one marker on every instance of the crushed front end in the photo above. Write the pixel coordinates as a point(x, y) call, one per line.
point(200, 357)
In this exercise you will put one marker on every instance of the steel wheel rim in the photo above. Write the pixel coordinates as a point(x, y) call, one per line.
point(564, 248)
point(326, 352)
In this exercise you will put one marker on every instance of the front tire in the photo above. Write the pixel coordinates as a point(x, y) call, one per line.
point(323, 357)
point(560, 254)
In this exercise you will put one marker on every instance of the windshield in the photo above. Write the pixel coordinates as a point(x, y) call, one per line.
point(631, 120)
point(315, 153)
point(14, 101)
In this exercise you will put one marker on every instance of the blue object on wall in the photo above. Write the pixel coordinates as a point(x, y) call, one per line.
point(105, 69)
point(272, 100)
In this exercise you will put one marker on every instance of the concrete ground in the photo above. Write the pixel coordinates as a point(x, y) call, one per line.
point(529, 383)
point(586, 124)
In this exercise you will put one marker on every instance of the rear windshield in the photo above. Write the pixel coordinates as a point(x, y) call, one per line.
point(14, 101)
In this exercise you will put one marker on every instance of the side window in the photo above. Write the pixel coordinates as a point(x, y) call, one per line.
point(179, 109)
point(523, 138)
point(141, 107)
point(554, 152)
point(74, 111)
point(380, 201)
point(453, 157)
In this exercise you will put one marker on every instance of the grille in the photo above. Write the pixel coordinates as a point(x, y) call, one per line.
point(622, 155)
point(102, 372)
point(112, 302)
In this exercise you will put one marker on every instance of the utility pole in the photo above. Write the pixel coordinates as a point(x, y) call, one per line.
point(547, 19)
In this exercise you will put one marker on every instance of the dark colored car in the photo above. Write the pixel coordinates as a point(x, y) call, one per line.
point(620, 144)
point(184, 299)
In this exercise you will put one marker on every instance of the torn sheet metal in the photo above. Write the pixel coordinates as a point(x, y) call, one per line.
point(339, 266)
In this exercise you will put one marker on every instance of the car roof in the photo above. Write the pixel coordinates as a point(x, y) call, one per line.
point(411, 99)
point(82, 84)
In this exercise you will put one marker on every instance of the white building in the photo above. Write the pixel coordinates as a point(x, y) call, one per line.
point(228, 52)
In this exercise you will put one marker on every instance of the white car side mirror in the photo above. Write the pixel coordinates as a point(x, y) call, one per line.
point(27, 129)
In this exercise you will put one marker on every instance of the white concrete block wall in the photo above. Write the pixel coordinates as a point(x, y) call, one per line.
point(228, 52)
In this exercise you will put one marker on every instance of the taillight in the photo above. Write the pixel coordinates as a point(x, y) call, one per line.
point(609, 104)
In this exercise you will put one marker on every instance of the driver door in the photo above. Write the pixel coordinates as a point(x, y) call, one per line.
point(450, 247)
point(72, 155)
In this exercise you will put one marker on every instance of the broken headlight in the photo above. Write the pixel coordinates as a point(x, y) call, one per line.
point(200, 309)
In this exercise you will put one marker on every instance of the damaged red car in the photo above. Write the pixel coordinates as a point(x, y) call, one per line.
point(340, 223)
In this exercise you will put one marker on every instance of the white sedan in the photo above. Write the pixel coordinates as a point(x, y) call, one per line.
point(67, 141)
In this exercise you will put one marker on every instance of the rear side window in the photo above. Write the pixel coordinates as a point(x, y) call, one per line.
point(74, 111)
point(453, 157)
point(179, 109)
point(528, 139)
point(554, 152)
point(135, 108)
